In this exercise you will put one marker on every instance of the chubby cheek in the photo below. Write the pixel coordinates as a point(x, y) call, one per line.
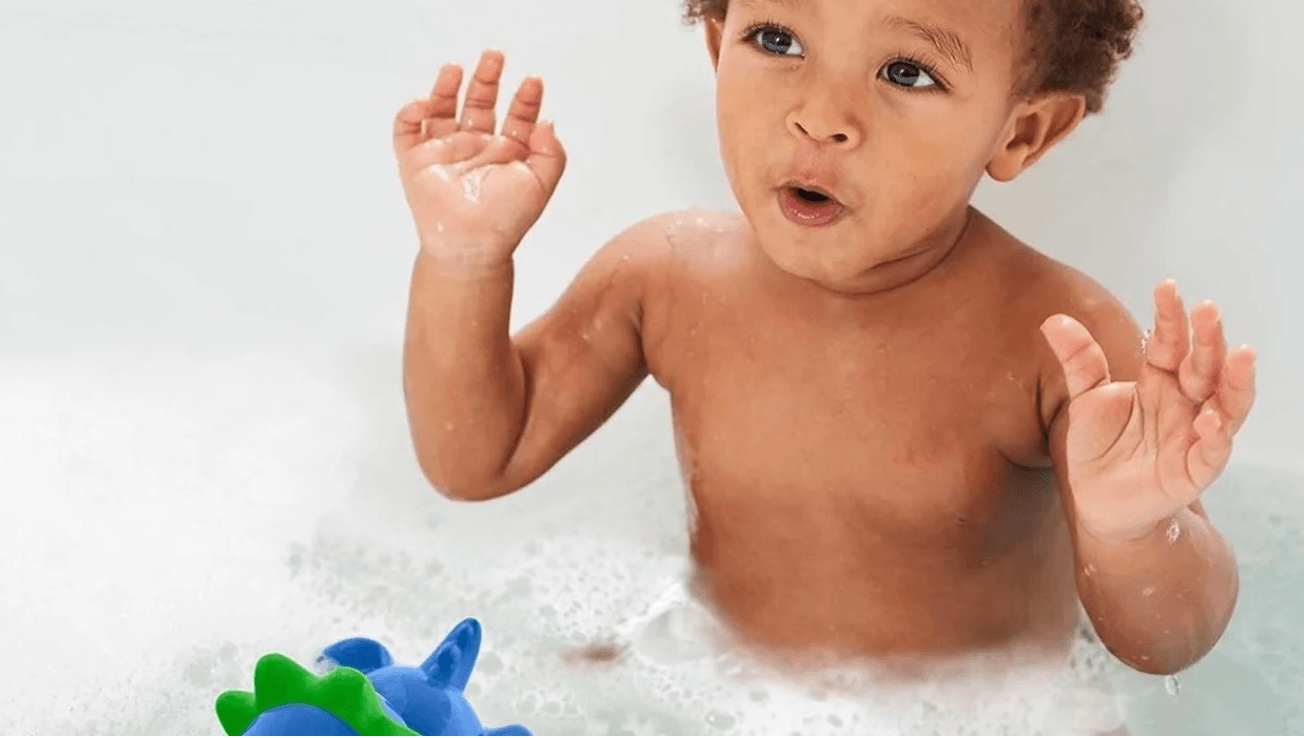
point(747, 139)
point(920, 181)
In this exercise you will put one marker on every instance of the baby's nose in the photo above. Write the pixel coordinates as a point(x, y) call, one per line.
point(824, 124)
point(820, 135)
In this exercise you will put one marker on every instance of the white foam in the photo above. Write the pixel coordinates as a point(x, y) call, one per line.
point(147, 506)
point(170, 521)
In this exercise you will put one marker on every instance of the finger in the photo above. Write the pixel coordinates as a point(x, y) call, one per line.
point(443, 102)
point(524, 111)
point(1236, 389)
point(1170, 342)
point(482, 94)
point(408, 124)
point(1209, 455)
point(1082, 359)
point(1201, 370)
point(547, 157)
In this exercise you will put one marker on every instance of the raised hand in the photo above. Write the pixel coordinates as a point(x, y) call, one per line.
point(1139, 452)
point(474, 194)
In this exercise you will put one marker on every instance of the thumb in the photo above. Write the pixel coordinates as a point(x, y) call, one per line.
point(547, 157)
point(1082, 359)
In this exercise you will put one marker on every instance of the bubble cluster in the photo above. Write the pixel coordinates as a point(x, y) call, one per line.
point(293, 520)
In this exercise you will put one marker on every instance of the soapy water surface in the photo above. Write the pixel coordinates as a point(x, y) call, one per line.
point(172, 520)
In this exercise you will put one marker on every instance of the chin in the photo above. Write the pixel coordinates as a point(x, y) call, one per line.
point(815, 255)
point(804, 260)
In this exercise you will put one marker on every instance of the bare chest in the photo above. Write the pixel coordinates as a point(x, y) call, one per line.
point(895, 436)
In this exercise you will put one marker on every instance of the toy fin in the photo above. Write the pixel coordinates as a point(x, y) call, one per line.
point(452, 661)
point(235, 710)
point(278, 678)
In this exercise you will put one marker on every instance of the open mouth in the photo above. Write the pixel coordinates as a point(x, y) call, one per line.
point(811, 195)
point(809, 207)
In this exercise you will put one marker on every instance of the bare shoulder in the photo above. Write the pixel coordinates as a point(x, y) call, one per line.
point(677, 232)
point(1055, 288)
point(673, 250)
point(665, 258)
point(632, 269)
point(662, 246)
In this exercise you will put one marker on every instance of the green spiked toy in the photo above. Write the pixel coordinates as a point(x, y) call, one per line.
point(363, 693)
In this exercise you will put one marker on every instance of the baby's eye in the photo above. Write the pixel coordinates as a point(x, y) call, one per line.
point(776, 41)
point(905, 74)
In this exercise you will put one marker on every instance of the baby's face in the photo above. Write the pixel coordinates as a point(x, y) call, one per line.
point(892, 107)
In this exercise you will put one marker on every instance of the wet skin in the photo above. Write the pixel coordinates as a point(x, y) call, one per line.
point(881, 415)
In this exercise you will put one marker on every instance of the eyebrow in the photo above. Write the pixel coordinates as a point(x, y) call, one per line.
point(789, 4)
point(948, 44)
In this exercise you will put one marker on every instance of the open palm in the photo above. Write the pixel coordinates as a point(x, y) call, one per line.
point(1139, 452)
point(473, 194)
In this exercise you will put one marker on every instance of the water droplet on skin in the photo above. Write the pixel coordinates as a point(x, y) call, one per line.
point(472, 183)
point(1174, 531)
point(1089, 569)
point(1147, 591)
point(1172, 686)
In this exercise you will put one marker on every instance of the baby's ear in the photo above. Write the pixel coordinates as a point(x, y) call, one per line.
point(1034, 128)
point(714, 30)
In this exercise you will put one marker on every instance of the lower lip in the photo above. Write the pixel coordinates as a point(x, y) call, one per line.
point(806, 213)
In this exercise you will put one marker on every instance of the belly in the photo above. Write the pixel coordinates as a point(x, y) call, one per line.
point(802, 588)
point(843, 538)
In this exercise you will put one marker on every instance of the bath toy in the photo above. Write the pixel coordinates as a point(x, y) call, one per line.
point(362, 692)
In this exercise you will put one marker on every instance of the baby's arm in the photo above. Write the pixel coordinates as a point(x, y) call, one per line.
point(490, 414)
point(1159, 598)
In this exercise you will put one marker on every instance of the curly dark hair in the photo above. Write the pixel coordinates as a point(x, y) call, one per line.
point(1073, 45)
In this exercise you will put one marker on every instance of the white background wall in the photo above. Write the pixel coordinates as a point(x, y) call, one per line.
point(218, 174)
point(204, 257)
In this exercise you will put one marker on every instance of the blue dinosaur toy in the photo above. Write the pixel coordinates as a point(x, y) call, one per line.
point(362, 693)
